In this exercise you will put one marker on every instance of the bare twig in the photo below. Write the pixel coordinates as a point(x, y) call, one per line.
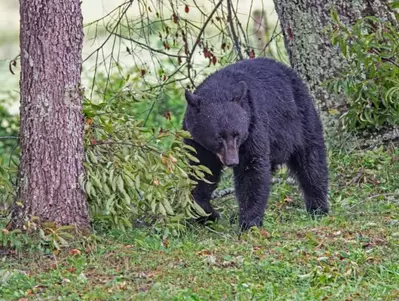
point(94, 76)
point(148, 47)
point(233, 31)
point(161, 86)
point(198, 39)
point(389, 194)
point(100, 143)
point(110, 13)
point(218, 194)
point(374, 196)
point(12, 64)
point(274, 35)
point(129, 4)
point(240, 26)
point(386, 59)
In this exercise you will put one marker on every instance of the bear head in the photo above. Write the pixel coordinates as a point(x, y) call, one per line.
point(219, 120)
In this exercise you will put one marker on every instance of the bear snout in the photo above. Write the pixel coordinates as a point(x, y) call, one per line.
point(229, 160)
point(229, 154)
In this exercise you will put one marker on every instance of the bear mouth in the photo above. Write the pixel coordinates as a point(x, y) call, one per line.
point(221, 158)
point(229, 160)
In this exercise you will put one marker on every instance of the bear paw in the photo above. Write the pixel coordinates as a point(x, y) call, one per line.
point(213, 217)
point(246, 225)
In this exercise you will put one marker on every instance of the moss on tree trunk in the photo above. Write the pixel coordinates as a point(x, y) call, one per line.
point(310, 52)
point(312, 55)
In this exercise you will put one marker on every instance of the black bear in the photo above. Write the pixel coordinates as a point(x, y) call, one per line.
point(255, 115)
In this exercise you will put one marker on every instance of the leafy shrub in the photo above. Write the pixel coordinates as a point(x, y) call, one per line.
point(161, 107)
point(371, 78)
point(136, 171)
point(132, 171)
point(7, 189)
point(44, 237)
point(9, 126)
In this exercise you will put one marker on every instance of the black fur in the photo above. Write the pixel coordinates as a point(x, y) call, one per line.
point(255, 115)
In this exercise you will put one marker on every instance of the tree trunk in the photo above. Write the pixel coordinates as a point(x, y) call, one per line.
point(51, 134)
point(310, 52)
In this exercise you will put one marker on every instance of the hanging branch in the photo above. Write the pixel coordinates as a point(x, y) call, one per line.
point(233, 31)
point(145, 46)
point(244, 35)
point(189, 66)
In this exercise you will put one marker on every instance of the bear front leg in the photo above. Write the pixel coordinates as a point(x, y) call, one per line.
point(202, 192)
point(252, 186)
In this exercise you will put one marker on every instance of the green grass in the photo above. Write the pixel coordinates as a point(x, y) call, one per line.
point(353, 254)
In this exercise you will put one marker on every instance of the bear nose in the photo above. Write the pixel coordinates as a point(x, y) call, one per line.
point(232, 162)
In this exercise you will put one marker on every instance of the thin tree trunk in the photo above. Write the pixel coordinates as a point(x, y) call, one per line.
point(310, 52)
point(51, 134)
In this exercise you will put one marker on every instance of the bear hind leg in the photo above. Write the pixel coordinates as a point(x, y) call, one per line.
point(310, 168)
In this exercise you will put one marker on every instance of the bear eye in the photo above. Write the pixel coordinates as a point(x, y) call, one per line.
point(235, 134)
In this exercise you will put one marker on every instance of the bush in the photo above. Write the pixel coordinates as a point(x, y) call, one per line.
point(137, 172)
point(9, 126)
point(371, 79)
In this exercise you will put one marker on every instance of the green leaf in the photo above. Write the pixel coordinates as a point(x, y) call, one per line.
point(205, 169)
point(93, 158)
point(168, 207)
point(96, 181)
point(137, 182)
point(199, 209)
point(88, 187)
point(120, 184)
point(153, 206)
point(190, 148)
point(184, 134)
point(114, 183)
point(161, 209)
point(128, 181)
point(192, 158)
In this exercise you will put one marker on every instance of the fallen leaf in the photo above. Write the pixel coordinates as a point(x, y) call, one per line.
point(204, 253)
point(165, 242)
point(264, 233)
point(73, 252)
point(71, 269)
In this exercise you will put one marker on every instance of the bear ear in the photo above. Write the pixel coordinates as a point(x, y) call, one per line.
point(240, 92)
point(192, 99)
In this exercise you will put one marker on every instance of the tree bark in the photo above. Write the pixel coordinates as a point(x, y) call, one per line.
point(51, 134)
point(310, 52)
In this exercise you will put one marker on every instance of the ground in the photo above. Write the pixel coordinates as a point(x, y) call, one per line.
point(351, 255)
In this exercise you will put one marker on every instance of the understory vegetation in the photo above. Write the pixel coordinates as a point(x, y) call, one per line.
point(144, 245)
point(352, 254)
point(370, 80)
point(136, 164)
